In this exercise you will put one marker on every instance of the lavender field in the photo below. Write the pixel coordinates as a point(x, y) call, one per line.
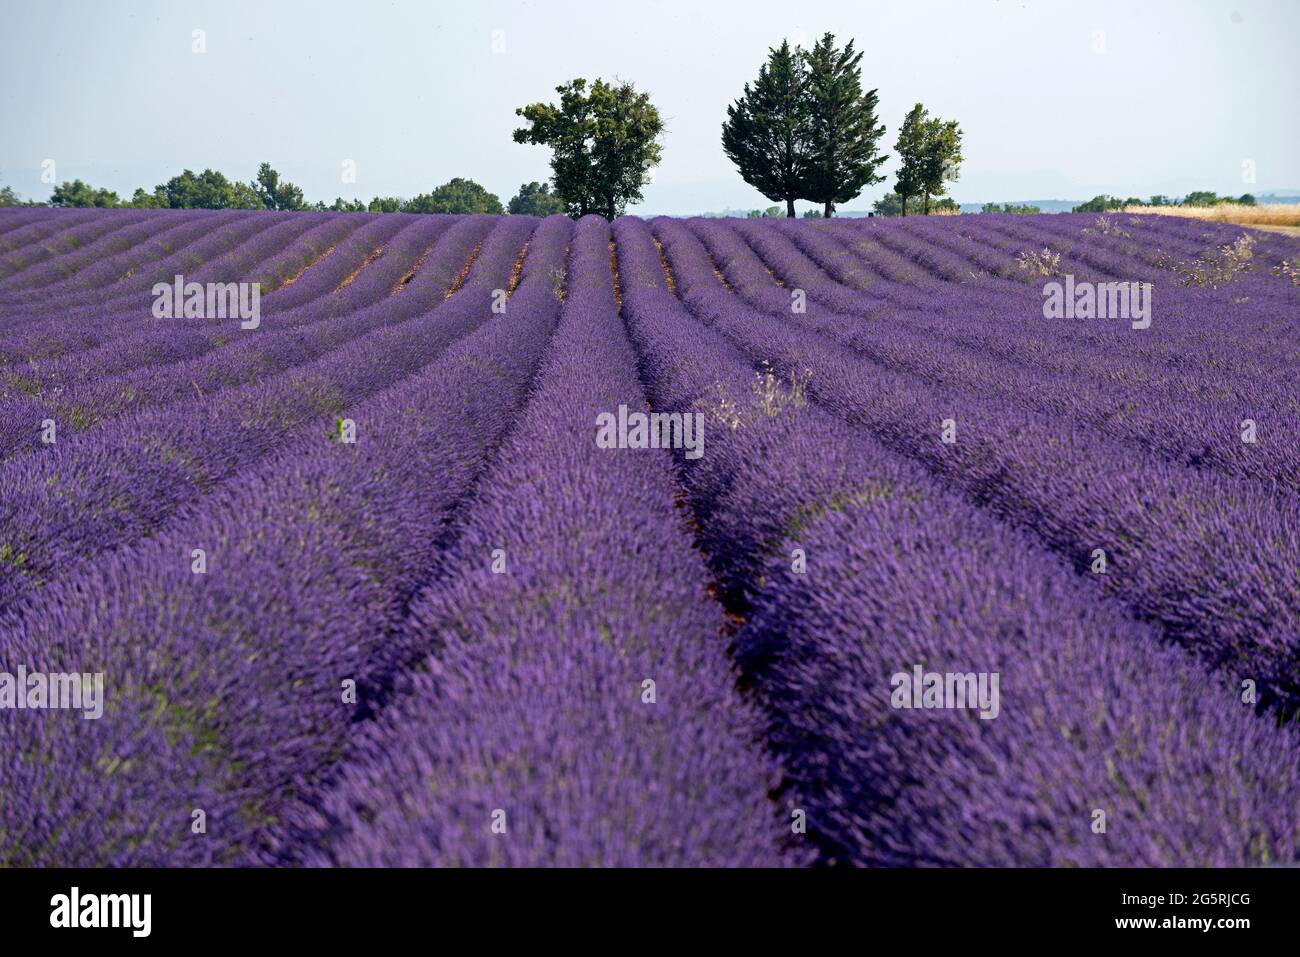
point(369, 578)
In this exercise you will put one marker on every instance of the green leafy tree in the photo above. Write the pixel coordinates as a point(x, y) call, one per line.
point(1201, 197)
point(536, 199)
point(341, 205)
point(1023, 209)
point(457, 195)
point(273, 193)
point(244, 196)
point(909, 181)
point(78, 194)
point(142, 200)
point(768, 133)
point(772, 212)
point(9, 197)
point(208, 190)
point(385, 204)
point(941, 158)
point(1100, 204)
point(604, 142)
point(812, 214)
point(1246, 199)
point(843, 125)
point(1160, 199)
point(891, 204)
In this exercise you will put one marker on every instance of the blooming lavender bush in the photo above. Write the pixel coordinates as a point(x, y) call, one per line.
point(942, 582)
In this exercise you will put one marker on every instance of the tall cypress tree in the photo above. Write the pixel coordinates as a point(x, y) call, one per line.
point(843, 122)
point(910, 178)
point(767, 133)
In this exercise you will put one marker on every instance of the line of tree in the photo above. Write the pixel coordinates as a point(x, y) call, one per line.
point(891, 204)
point(211, 189)
point(1021, 209)
point(1198, 197)
point(806, 130)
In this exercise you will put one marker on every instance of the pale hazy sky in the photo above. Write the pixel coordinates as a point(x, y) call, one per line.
point(1169, 96)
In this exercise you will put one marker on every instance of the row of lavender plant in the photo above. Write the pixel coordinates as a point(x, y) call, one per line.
point(1120, 258)
point(884, 566)
point(237, 254)
point(85, 267)
point(1196, 420)
point(1003, 320)
point(119, 296)
point(576, 707)
point(1214, 560)
point(1189, 317)
point(12, 220)
point(88, 236)
point(81, 391)
point(51, 237)
point(1197, 312)
point(271, 266)
point(244, 694)
point(79, 496)
point(1150, 240)
point(189, 338)
point(60, 325)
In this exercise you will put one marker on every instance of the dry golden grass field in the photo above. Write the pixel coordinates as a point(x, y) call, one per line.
point(1277, 217)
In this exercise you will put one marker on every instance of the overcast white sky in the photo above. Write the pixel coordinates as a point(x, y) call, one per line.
point(1169, 96)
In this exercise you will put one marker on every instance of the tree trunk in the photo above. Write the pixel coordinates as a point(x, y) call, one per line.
point(789, 209)
point(927, 202)
point(904, 199)
point(830, 210)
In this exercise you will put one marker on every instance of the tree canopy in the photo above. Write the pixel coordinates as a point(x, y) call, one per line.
point(604, 142)
point(909, 180)
point(274, 193)
point(78, 194)
point(929, 157)
point(536, 199)
point(941, 158)
point(208, 190)
point(768, 132)
point(842, 120)
point(457, 195)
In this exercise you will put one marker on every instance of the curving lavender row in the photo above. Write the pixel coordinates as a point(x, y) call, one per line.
point(891, 563)
point(307, 557)
point(68, 501)
point(19, 218)
point(1192, 419)
point(1215, 561)
point(58, 324)
point(47, 239)
point(532, 703)
point(366, 588)
point(107, 257)
point(203, 358)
